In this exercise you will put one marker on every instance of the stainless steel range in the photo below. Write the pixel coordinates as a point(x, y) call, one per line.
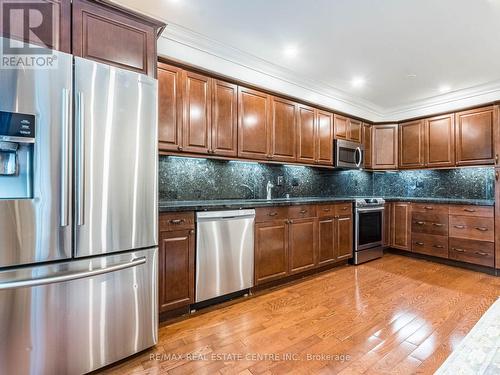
point(368, 229)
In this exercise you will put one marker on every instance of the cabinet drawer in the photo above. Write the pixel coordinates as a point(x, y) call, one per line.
point(470, 251)
point(270, 213)
point(429, 244)
point(343, 209)
point(473, 228)
point(169, 221)
point(325, 210)
point(298, 212)
point(482, 211)
point(431, 208)
point(429, 223)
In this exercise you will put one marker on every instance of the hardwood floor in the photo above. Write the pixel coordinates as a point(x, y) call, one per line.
point(395, 315)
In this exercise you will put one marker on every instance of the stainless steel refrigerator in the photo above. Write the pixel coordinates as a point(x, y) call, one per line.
point(78, 216)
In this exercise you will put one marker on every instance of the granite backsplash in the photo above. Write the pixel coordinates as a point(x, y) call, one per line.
point(183, 178)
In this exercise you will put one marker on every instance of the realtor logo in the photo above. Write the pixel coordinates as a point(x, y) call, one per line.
point(24, 21)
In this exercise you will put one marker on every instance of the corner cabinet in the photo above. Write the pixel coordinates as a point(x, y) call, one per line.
point(384, 147)
point(367, 142)
point(113, 35)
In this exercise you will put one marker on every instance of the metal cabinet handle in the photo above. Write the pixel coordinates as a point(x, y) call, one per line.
point(459, 226)
point(303, 211)
point(469, 210)
point(326, 209)
point(64, 276)
point(345, 208)
point(420, 222)
point(437, 224)
point(272, 214)
point(438, 246)
point(458, 249)
point(428, 208)
point(80, 156)
point(179, 148)
point(177, 221)
point(419, 243)
point(481, 229)
point(191, 231)
point(65, 175)
point(344, 218)
point(481, 253)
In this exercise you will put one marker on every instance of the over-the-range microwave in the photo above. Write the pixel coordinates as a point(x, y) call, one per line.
point(348, 154)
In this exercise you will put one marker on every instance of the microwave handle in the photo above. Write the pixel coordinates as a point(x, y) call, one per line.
point(358, 157)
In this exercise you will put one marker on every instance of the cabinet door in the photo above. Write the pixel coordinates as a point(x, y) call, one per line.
point(169, 108)
point(401, 225)
point(196, 99)
point(387, 238)
point(367, 142)
point(224, 118)
point(344, 236)
point(474, 136)
point(271, 251)
point(176, 269)
point(440, 140)
point(497, 216)
point(385, 146)
point(411, 144)
point(54, 34)
point(325, 138)
point(302, 245)
point(113, 37)
point(306, 132)
point(283, 130)
point(326, 241)
point(354, 130)
point(341, 125)
point(253, 124)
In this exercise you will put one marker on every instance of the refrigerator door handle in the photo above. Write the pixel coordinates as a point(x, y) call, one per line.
point(80, 159)
point(62, 277)
point(65, 175)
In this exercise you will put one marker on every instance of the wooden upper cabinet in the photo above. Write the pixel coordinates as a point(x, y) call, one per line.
point(354, 130)
point(385, 146)
point(113, 35)
point(53, 35)
point(367, 142)
point(283, 130)
point(253, 124)
point(306, 134)
point(324, 148)
point(197, 96)
point(169, 107)
point(224, 118)
point(341, 125)
point(411, 144)
point(401, 225)
point(440, 141)
point(474, 137)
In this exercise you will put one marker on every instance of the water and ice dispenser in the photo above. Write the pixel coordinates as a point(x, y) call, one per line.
point(17, 142)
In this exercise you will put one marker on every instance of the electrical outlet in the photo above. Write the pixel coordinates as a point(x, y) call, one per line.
point(279, 182)
point(419, 184)
point(295, 182)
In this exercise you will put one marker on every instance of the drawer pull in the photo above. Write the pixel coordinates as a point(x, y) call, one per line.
point(437, 224)
point(344, 208)
point(483, 254)
point(482, 229)
point(438, 246)
point(428, 208)
point(303, 211)
point(419, 243)
point(191, 231)
point(326, 209)
point(272, 214)
point(459, 226)
point(177, 221)
point(458, 249)
point(420, 222)
point(469, 210)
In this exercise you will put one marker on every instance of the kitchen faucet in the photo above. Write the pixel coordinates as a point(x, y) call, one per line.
point(269, 188)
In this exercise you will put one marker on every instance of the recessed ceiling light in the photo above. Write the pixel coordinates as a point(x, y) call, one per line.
point(411, 75)
point(444, 88)
point(358, 82)
point(291, 50)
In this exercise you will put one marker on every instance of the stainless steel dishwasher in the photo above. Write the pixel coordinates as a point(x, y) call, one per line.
point(224, 252)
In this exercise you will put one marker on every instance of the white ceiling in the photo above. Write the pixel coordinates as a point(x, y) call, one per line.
point(404, 49)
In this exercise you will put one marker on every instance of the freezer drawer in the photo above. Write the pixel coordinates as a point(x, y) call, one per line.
point(224, 253)
point(78, 316)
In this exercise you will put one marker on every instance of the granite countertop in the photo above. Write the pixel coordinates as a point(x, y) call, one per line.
point(206, 205)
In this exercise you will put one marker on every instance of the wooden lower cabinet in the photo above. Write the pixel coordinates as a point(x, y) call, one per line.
point(176, 269)
point(344, 237)
point(401, 225)
point(430, 244)
point(387, 235)
point(326, 241)
point(271, 251)
point(302, 245)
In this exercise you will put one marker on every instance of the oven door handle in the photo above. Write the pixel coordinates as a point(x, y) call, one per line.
point(370, 209)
